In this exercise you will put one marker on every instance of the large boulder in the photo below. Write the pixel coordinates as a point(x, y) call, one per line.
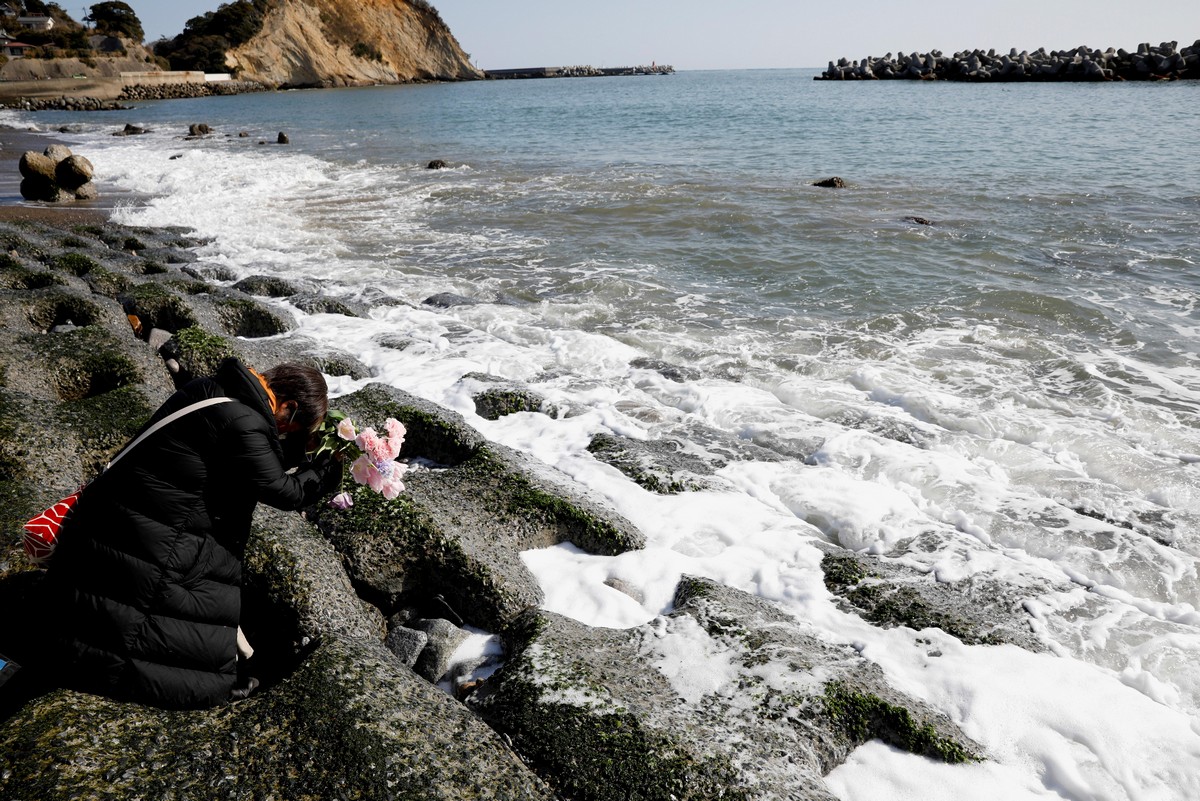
point(73, 172)
point(56, 176)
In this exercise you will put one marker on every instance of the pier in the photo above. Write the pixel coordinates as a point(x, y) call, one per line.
point(577, 72)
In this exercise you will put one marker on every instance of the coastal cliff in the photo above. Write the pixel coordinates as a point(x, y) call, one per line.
point(331, 43)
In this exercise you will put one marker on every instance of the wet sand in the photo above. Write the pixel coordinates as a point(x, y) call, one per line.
point(13, 207)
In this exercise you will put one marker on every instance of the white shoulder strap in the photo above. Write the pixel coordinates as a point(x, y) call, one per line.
point(170, 418)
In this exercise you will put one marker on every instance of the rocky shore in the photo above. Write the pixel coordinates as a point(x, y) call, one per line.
point(1147, 63)
point(358, 611)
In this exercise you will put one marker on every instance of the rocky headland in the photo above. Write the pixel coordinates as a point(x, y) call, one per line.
point(305, 43)
point(1166, 61)
point(263, 44)
point(356, 613)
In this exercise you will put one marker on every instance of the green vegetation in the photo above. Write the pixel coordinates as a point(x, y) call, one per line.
point(206, 38)
point(365, 51)
point(66, 38)
point(200, 353)
point(76, 264)
point(115, 18)
point(864, 716)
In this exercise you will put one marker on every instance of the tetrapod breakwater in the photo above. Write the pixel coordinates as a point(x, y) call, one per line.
point(1163, 62)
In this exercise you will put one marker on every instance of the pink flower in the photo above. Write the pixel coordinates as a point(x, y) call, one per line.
point(392, 487)
point(345, 430)
point(341, 501)
point(364, 471)
point(395, 434)
point(375, 446)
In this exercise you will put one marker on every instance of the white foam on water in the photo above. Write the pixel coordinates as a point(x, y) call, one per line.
point(1058, 485)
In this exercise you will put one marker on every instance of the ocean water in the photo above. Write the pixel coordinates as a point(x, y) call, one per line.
point(1010, 394)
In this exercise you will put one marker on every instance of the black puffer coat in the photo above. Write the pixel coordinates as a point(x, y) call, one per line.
point(145, 584)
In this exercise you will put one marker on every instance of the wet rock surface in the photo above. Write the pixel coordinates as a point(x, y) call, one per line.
point(94, 335)
point(889, 594)
point(466, 514)
point(726, 697)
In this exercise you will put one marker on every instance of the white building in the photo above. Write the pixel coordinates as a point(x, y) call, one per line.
point(39, 22)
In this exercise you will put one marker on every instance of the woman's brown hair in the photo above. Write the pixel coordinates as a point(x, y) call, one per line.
point(305, 386)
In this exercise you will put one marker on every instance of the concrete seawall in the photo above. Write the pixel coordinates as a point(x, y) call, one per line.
point(98, 88)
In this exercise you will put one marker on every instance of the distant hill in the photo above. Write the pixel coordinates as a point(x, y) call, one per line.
point(67, 49)
point(294, 43)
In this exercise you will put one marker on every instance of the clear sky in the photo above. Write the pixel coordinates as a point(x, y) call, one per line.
point(727, 34)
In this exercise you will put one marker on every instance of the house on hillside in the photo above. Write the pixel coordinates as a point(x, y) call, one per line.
point(38, 22)
point(11, 47)
point(9, 10)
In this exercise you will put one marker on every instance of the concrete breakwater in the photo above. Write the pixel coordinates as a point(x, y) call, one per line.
point(1164, 62)
point(578, 72)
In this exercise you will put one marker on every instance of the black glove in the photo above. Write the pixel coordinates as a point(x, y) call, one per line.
point(320, 477)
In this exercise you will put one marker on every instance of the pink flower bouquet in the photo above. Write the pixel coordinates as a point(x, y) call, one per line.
point(373, 454)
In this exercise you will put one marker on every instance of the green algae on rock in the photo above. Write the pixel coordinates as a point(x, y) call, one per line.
point(458, 530)
point(763, 710)
point(890, 594)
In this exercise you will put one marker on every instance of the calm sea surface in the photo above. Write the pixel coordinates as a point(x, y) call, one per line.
point(1010, 394)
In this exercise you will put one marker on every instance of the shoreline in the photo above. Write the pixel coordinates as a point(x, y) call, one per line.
point(14, 142)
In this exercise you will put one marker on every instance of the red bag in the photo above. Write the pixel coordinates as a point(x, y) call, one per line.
point(41, 533)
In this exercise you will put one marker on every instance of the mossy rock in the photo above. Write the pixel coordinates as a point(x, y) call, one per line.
point(243, 317)
point(304, 585)
point(12, 242)
point(581, 725)
point(54, 307)
point(865, 716)
point(458, 531)
point(496, 402)
point(48, 449)
point(434, 432)
point(266, 285)
point(151, 267)
point(674, 372)
point(84, 362)
point(190, 286)
point(658, 466)
point(13, 275)
point(104, 422)
point(348, 722)
point(539, 505)
point(74, 242)
point(158, 307)
point(76, 264)
point(610, 714)
point(198, 352)
point(107, 283)
point(319, 304)
point(890, 595)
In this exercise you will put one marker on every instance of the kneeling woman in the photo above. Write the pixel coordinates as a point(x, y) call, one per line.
point(145, 584)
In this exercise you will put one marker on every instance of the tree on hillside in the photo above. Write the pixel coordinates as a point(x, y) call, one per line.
point(206, 38)
point(116, 19)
